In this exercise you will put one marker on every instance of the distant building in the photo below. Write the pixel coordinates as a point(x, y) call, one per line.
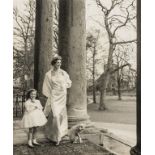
point(128, 78)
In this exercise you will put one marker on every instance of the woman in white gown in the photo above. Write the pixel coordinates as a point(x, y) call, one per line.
point(55, 87)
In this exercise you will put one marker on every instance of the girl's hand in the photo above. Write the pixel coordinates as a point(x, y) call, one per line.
point(35, 106)
point(31, 109)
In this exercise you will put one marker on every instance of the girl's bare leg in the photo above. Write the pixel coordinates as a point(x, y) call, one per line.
point(30, 135)
point(34, 136)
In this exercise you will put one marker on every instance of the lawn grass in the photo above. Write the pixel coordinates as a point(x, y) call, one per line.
point(123, 111)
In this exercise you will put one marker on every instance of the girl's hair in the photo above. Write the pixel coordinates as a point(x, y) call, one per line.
point(29, 92)
point(55, 59)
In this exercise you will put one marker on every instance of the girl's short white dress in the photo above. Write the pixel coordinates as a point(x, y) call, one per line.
point(33, 115)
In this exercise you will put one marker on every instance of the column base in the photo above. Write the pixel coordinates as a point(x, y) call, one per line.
point(73, 120)
point(77, 115)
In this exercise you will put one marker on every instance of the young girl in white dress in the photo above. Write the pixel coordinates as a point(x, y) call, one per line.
point(33, 116)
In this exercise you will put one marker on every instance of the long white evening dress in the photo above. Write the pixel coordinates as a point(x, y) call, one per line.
point(55, 89)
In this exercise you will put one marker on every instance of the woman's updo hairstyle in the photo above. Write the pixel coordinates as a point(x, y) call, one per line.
point(55, 59)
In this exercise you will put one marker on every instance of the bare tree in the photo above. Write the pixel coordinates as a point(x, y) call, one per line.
point(23, 47)
point(121, 57)
point(24, 33)
point(114, 23)
point(92, 43)
point(131, 79)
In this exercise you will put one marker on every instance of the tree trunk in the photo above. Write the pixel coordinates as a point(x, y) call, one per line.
point(102, 100)
point(119, 90)
point(94, 93)
point(94, 85)
point(72, 48)
point(119, 85)
point(43, 42)
point(103, 87)
point(109, 64)
point(106, 79)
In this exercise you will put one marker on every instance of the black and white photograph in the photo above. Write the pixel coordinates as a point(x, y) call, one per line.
point(76, 77)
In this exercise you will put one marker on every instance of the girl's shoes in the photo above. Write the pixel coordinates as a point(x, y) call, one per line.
point(35, 142)
point(57, 143)
point(30, 144)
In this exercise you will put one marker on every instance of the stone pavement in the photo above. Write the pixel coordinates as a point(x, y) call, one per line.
point(121, 137)
point(125, 132)
point(20, 134)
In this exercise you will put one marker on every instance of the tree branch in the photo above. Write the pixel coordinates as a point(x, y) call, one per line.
point(125, 42)
point(128, 18)
point(113, 71)
point(114, 4)
point(103, 8)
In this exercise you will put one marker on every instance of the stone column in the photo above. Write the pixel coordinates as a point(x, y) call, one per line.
point(72, 48)
point(43, 42)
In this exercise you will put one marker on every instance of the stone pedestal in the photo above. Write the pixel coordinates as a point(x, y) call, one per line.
point(72, 48)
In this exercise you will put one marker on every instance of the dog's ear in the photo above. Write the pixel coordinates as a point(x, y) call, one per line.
point(82, 126)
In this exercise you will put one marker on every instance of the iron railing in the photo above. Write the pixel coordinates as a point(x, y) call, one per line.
point(18, 104)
